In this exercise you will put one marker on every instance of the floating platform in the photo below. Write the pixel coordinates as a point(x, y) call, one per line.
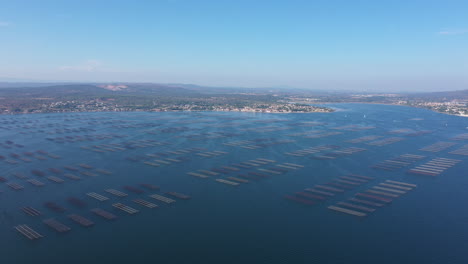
point(287, 167)
point(56, 225)
point(402, 183)
point(104, 214)
point(125, 208)
point(20, 175)
point(116, 193)
point(197, 175)
point(382, 193)
point(243, 166)
point(97, 196)
point(461, 151)
point(223, 171)
point(364, 139)
point(460, 137)
point(72, 177)
point(145, 203)
point(28, 232)
point(230, 168)
point(278, 169)
point(269, 171)
point(356, 200)
point(85, 166)
point(396, 186)
point(268, 160)
point(55, 179)
point(438, 146)
point(53, 156)
point(227, 182)
point(15, 186)
point(208, 172)
point(374, 197)
point(178, 195)
point(347, 211)
point(327, 188)
point(358, 207)
point(361, 176)
point(379, 193)
point(151, 163)
point(81, 220)
point(319, 192)
point(294, 165)
point(398, 162)
point(237, 179)
point(434, 167)
point(389, 190)
point(162, 162)
point(162, 198)
point(30, 211)
point(385, 141)
point(88, 173)
point(250, 164)
point(36, 182)
point(420, 172)
point(259, 162)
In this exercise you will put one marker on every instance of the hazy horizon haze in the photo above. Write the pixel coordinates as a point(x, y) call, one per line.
point(359, 45)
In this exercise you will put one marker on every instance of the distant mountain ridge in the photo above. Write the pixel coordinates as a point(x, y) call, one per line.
point(185, 90)
point(96, 90)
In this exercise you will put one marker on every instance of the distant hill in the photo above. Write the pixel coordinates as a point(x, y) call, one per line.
point(56, 90)
point(89, 90)
point(142, 97)
point(169, 88)
point(47, 89)
point(149, 88)
point(31, 84)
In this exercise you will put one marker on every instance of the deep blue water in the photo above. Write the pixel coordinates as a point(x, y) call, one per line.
point(249, 223)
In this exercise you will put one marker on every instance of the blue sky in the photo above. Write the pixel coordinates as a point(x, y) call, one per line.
point(366, 45)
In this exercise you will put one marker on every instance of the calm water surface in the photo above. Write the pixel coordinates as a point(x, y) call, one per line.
point(249, 223)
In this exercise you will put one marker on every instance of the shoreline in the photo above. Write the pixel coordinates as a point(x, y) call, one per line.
point(170, 111)
point(330, 110)
point(394, 105)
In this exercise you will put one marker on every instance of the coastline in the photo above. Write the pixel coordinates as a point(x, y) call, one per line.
point(173, 111)
point(395, 105)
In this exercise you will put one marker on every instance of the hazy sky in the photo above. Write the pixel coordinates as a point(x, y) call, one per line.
point(349, 44)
